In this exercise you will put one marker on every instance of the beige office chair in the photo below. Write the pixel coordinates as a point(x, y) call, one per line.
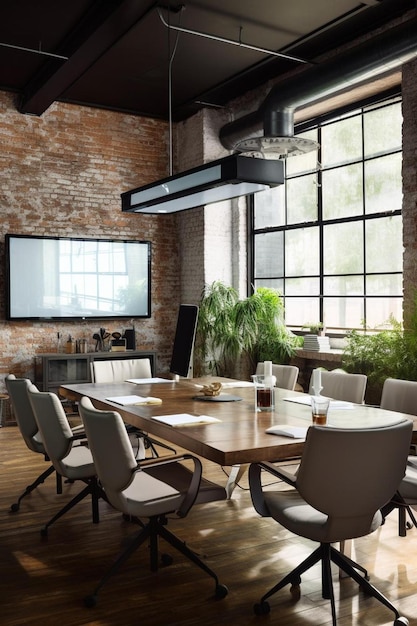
point(328, 504)
point(342, 386)
point(17, 389)
point(285, 375)
point(70, 460)
point(401, 395)
point(120, 370)
point(152, 489)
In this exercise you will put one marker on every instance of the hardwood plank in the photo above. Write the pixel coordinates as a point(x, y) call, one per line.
point(44, 581)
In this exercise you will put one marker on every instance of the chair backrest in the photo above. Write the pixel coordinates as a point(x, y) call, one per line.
point(119, 370)
point(286, 375)
point(18, 390)
point(399, 395)
point(53, 425)
point(343, 386)
point(350, 474)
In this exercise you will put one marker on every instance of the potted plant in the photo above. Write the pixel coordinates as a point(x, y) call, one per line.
point(381, 354)
point(233, 335)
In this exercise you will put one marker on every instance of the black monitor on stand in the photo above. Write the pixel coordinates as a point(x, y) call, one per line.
point(182, 352)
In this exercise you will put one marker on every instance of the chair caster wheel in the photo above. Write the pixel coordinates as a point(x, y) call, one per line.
point(15, 507)
point(44, 532)
point(401, 621)
point(166, 559)
point(261, 608)
point(221, 592)
point(90, 601)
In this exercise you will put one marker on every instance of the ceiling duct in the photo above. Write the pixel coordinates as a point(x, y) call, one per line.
point(269, 131)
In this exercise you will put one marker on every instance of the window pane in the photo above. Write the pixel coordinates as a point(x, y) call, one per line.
point(343, 285)
point(343, 312)
point(343, 248)
point(302, 199)
point(384, 285)
point(342, 192)
point(270, 207)
point(384, 250)
point(379, 311)
point(389, 119)
point(383, 184)
point(297, 261)
point(269, 255)
point(302, 286)
point(299, 310)
point(270, 283)
point(341, 142)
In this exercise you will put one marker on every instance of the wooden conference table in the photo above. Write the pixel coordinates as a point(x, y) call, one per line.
point(239, 437)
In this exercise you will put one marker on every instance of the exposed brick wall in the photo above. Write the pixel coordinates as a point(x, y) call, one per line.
point(62, 174)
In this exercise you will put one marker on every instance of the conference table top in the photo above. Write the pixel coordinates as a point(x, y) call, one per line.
point(239, 437)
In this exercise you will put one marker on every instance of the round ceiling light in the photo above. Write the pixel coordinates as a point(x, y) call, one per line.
point(277, 147)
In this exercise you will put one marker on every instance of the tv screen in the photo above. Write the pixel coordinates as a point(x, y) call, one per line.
point(58, 278)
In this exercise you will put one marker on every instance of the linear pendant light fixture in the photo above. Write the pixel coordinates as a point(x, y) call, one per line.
point(226, 178)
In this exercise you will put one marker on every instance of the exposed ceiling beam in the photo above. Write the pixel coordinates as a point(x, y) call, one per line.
point(99, 30)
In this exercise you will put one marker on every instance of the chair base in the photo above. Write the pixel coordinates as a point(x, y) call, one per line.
point(41, 479)
point(398, 502)
point(327, 554)
point(155, 528)
point(92, 489)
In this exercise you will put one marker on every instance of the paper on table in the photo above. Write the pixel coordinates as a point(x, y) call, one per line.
point(296, 432)
point(185, 419)
point(133, 400)
point(334, 404)
point(143, 381)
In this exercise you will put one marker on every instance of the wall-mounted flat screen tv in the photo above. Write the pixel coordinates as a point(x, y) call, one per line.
point(63, 278)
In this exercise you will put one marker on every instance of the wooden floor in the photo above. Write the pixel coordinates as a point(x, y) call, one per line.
point(43, 582)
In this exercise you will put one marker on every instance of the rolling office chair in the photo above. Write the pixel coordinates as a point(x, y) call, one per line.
point(342, 386)
point(401, 395)
point(328, 504)
point(17, 388)
point(149, 489)
point(120, 370)
point(71, 461)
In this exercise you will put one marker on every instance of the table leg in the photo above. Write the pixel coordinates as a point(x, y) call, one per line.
point(236, 473)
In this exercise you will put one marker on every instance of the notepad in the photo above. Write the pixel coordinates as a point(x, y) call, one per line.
point(296, 432)
point(185, 419)
point(134, 400)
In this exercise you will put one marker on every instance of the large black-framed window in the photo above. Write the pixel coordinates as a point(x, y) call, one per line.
point(330, 238)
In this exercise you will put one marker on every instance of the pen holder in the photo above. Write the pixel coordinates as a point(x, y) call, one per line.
point(264, 393)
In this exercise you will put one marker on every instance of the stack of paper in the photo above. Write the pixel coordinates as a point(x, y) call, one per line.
point(132, 400)
point(316, 343)
point(296, 432)
point(185, 419)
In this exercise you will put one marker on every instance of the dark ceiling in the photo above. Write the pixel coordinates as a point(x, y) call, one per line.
point(117, 54)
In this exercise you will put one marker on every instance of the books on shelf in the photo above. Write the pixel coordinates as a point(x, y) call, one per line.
point(316, 343)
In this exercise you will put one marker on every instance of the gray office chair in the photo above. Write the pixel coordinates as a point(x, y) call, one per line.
point(152, 489)
point(17, 389)
point(120, 370)
point(71, 461)
point(342, 386)
point(285, 375)
point(401, 395)
point(329, 503)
